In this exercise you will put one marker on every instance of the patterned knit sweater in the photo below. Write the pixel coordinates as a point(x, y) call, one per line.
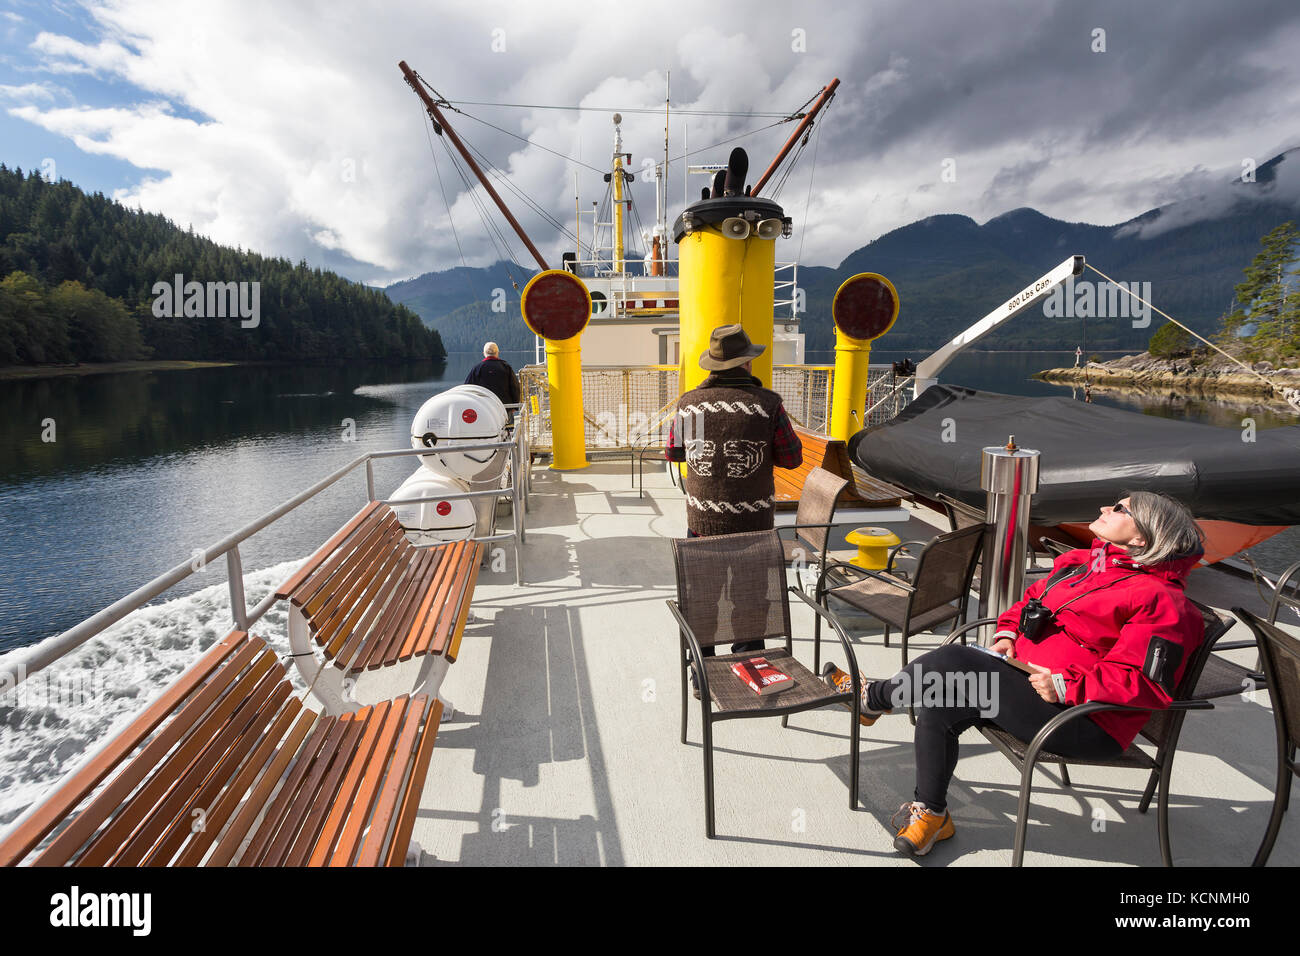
point(726, 431)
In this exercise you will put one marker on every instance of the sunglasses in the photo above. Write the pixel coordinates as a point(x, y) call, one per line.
point(1119, 509)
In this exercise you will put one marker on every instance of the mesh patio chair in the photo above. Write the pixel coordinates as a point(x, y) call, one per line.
point(813, 521)
point(731, 588)
point(1162, 730)
point(1224, 678)
point(1280, 655)
point(942, 576)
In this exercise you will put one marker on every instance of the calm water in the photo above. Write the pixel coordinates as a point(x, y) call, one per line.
point(146, 467)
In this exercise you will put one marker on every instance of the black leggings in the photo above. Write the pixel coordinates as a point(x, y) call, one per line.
point(954, 688)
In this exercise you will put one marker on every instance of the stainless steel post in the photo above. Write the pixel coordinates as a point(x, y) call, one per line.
point(1010, 476)
point(235, 574)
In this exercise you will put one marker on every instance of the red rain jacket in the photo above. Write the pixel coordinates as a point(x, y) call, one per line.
point(1125, 637)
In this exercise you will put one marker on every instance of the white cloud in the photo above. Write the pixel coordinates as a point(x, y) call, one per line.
point(290, 131)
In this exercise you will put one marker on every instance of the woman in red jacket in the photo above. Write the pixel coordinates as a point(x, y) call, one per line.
point(1110, 624)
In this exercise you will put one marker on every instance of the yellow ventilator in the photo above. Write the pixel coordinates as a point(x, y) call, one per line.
point(726, 268)
point(864, 308)
point(557, 305)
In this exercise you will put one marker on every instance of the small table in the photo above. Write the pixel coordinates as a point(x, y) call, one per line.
point(873, 546)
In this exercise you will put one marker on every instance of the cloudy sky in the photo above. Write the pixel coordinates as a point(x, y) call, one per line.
point(286, 127)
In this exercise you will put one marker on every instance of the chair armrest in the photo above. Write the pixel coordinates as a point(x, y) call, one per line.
point(899, 548)
point(1080, 711)
point(833, 565)
point(844, 639)
point(697, 658)
point(961, 631)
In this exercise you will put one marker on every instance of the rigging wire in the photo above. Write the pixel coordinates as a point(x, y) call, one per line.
point(493, 230)
point(1276, 388)
point(601, 109)
point(807, 203)
point(434, 154)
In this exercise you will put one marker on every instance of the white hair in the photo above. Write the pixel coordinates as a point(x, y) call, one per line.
point(1168, 527)
point(490, 348)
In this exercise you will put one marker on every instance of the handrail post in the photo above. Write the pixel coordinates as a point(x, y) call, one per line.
point(370, 477)
point(235, 573)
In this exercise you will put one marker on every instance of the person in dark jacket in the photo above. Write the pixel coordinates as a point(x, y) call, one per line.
point(495, 374)
point(1120, 631)
point(731, 432)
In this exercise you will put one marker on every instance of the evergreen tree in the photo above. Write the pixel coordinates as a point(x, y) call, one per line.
point(1266, 298)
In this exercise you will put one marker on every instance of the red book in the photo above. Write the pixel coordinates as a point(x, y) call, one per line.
point(761, 676)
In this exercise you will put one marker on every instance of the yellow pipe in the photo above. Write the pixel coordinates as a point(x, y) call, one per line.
point(568, 429)
point(848, 399)
point(852, 366)
point(723, 281)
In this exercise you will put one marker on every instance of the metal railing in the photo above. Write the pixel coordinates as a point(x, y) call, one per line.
point(628, 409)
point(25, 662)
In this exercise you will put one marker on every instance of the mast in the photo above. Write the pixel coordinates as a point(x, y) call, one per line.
point(827, 93)
point(618, 193)
point(440, 125)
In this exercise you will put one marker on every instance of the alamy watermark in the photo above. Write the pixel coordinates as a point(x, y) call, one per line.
point(209, 300)
point(57, 691)
point(1100, 300)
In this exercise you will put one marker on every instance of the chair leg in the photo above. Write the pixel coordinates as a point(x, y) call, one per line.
point(785, 720)
point(1022, 814)
point(1065, 775)
point(1281, 797)
point(1162, 813)
point(817, 640)
point(854, 751)
point(685, 667)
point(886, 635)
point(708, 779)
point(1154, 779)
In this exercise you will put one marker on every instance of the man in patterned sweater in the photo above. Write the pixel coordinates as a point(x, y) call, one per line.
point(731, 431)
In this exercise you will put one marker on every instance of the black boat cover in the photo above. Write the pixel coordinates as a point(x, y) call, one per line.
point(1091, 455)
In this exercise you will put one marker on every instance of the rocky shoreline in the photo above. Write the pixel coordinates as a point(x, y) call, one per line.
point(1142, 373)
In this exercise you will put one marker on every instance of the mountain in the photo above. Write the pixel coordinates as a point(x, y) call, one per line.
point(84, 279)
point(950, 271)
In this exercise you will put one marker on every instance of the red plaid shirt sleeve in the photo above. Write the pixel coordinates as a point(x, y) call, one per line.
point(787, 449)
point(674, 450)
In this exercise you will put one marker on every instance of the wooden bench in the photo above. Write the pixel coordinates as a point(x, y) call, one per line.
point(229, 767)
point(832, 454)
point(369, 598)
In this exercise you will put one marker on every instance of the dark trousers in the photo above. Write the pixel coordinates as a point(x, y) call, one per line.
point(743, 646)
point(944, 708)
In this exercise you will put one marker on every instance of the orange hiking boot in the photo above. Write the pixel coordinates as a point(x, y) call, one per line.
point(842, 682)
point(922, 829)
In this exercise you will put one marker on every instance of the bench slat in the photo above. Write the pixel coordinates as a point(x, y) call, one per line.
point(114, 793)
point(173, 768)
point(231, 841)
point(359, 539)
point(275, 811)
point(333, 634)
point(328, 837)
point(411, 801)
point(324, 551)
point(376, 652)
point(180, 794)
point(296, 812)
point(451, 622)
point(225, 806)
point(351, 569)
point(325, 797)
point(184, 823)
point(394, 779)
point(435, 600)
point(350, 840)
point(47, 816)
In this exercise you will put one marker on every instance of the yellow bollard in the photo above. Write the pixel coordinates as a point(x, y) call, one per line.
point(864, 309)
point(568, 429)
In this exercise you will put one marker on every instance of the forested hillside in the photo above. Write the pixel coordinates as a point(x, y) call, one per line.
point(77, 273)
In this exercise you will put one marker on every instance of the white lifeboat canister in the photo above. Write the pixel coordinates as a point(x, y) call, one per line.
point(465, 413)
point(449, 520)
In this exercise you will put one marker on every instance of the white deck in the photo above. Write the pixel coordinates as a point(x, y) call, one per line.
point(564, 747)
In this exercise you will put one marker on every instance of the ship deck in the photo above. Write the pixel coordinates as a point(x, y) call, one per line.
point(564, 747)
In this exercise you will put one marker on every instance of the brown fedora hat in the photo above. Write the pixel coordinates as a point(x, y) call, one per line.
point(729, 346)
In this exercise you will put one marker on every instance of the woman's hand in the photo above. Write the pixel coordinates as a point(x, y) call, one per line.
point(1005, 646)
point(1041, 679)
